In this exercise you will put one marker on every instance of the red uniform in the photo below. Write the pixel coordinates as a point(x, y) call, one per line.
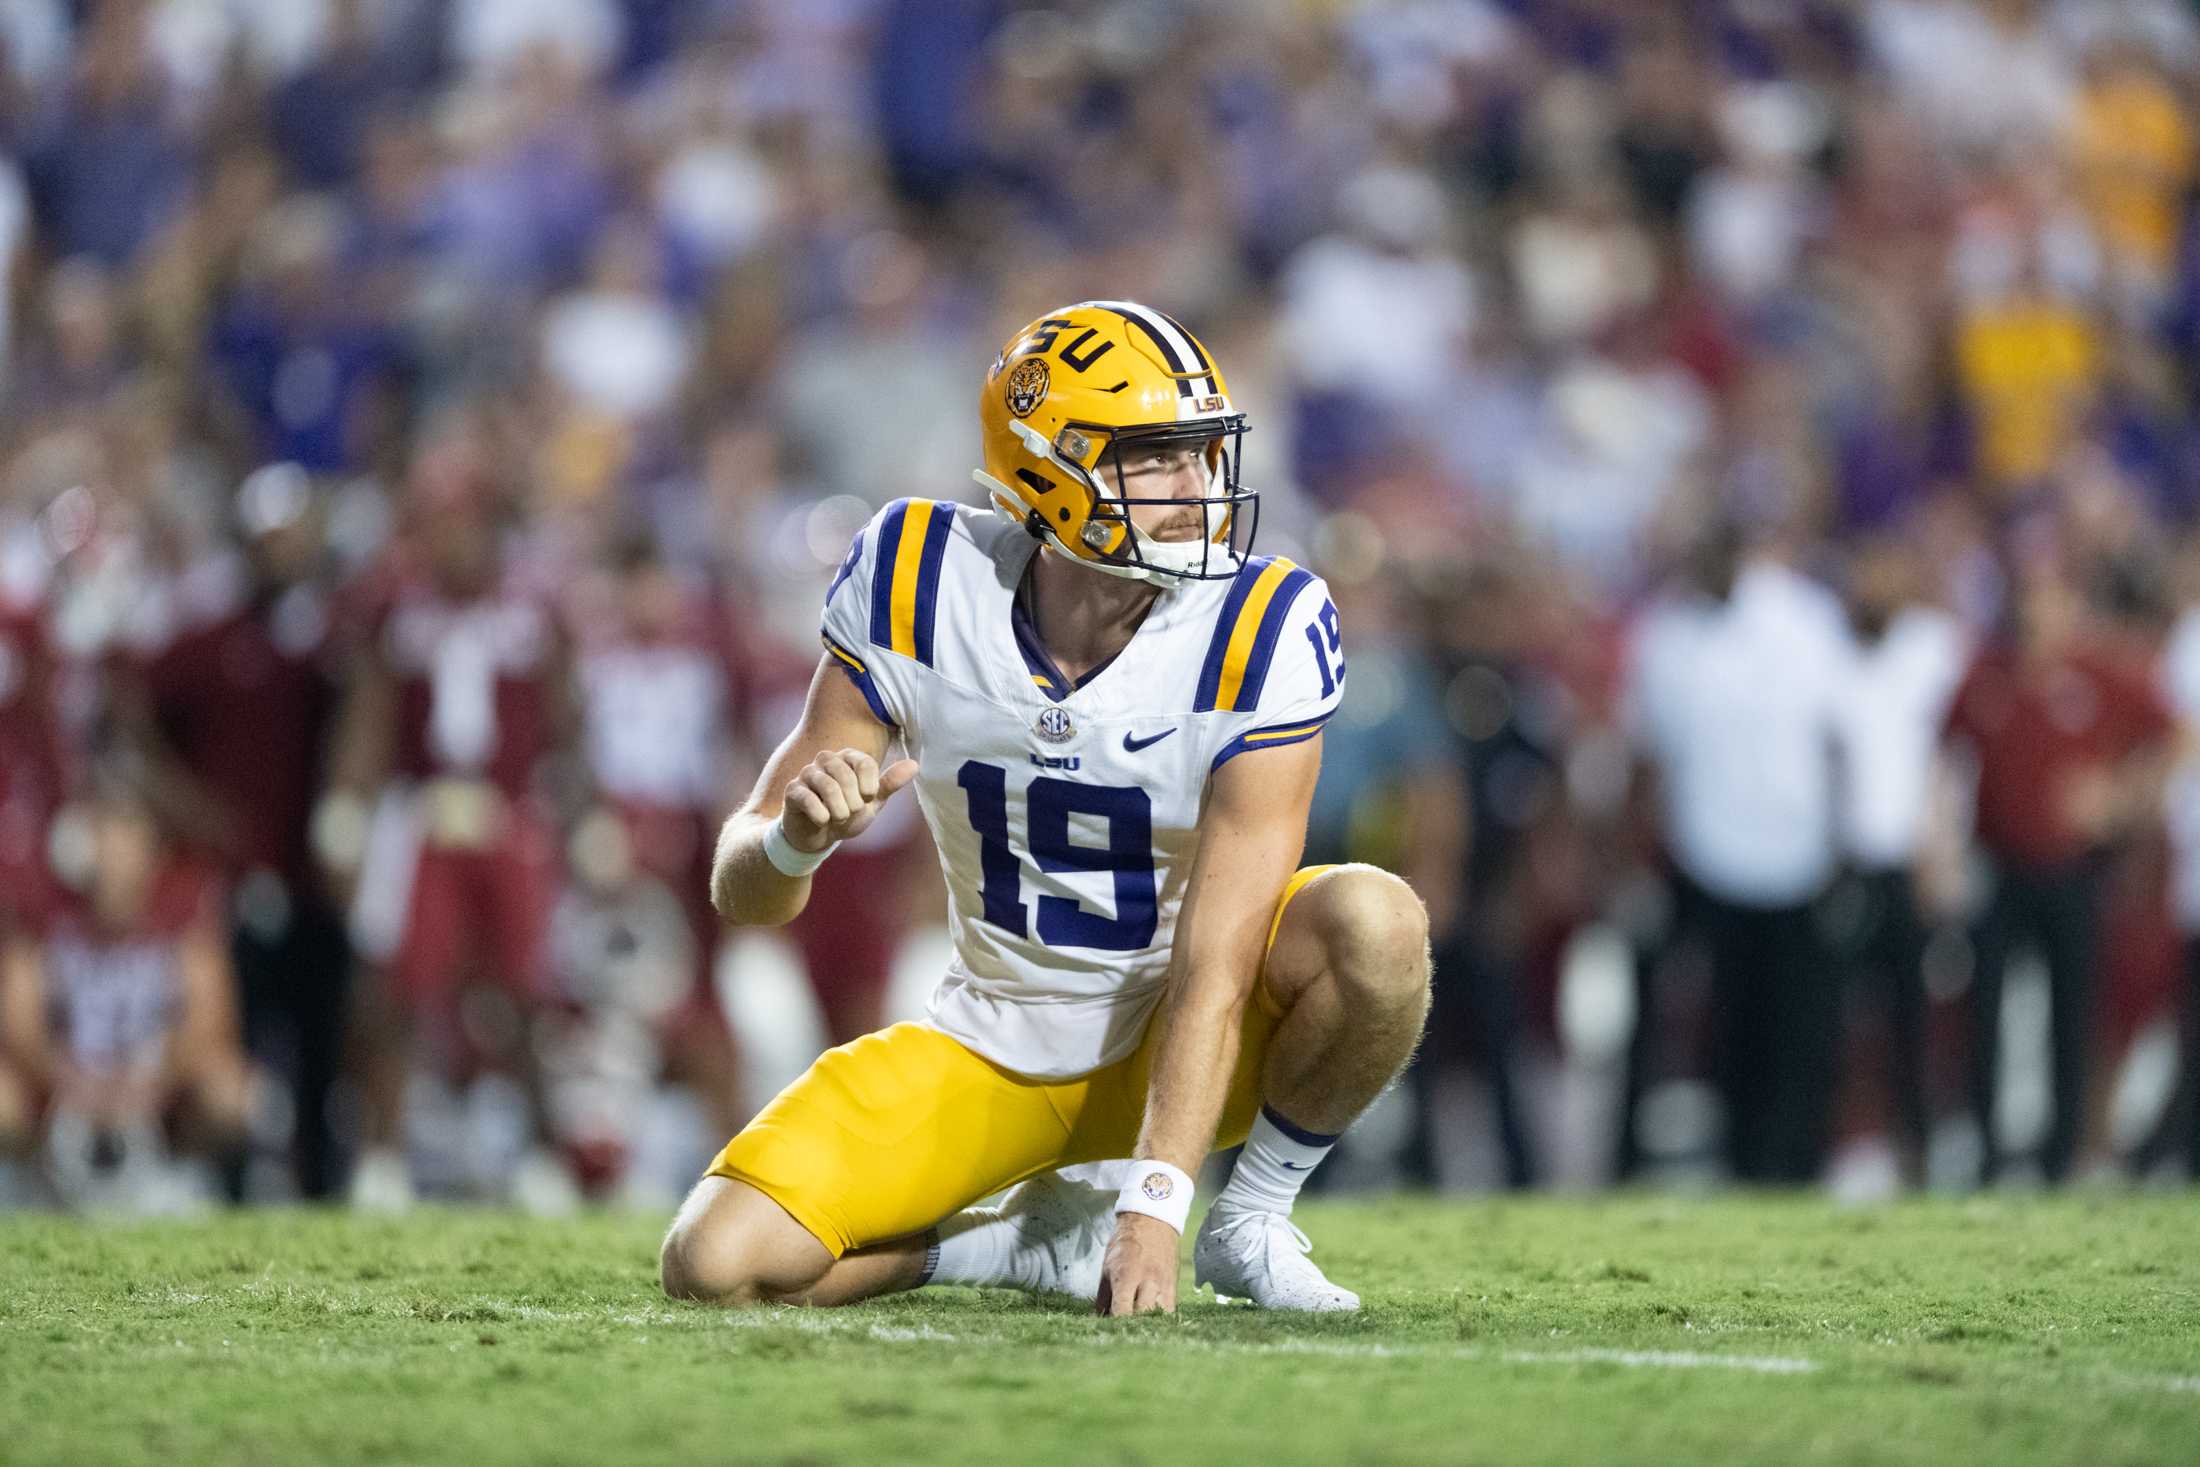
point(112, 996)
point(245, 701)
point(462, 866)
point(659, 751)
point(31, 764)
point(2036, 732)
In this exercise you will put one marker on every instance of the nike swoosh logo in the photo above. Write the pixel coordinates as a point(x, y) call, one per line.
point(1292, 1166)
point(1133, 745)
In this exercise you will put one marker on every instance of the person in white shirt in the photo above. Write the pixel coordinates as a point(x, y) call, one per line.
point(2181, 684)
point(1910, 656)
point(1734, 688)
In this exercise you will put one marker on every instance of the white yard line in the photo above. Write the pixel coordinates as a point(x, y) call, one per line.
point(856, 1326)
point(1352, 1350)
point(1665, 1360)
point(2182, 1385)
point(896, 1334)
point(1638, 1359)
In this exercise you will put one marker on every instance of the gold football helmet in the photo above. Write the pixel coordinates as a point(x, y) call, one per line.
point(1064, 400)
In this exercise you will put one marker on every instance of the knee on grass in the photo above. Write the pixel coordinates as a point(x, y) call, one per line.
point(720, 1251)
point(695, 1266)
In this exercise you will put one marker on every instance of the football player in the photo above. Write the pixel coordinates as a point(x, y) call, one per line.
point(1111, 713)
point(434, 825)
point(118, 1011)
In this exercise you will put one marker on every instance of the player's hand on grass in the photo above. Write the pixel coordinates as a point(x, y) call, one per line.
point(1138, 1275)
point(837, 796)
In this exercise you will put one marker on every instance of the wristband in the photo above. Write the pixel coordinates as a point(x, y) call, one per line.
point(785, 859)
point(1158, 1190)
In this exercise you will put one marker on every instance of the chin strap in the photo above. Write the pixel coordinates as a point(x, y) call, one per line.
point(1034, 522)
point(1163, 563)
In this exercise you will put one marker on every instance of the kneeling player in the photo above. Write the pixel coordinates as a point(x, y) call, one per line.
point(1113, 718)
point(118, 1012)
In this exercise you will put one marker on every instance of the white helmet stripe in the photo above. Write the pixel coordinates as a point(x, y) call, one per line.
point(1183, 354)
point(1175, 335)
point(1194, 352)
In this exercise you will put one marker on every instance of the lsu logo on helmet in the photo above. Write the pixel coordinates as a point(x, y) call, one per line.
point(1075, 390)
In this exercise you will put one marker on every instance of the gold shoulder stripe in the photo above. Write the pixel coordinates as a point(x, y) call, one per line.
point(1247, 631)
point(908, 559)
point(1284, 733)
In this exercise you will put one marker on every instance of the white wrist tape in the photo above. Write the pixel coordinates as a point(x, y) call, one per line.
point(1158, 1190)
point(785, 858)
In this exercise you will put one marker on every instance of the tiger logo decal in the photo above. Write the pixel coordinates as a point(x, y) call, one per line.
point(1027, 386)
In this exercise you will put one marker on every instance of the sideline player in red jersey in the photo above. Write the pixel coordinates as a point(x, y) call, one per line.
point(232, 714)
point(118, 1017)
point(31, 759)
point(657, 701)
point(459, 699)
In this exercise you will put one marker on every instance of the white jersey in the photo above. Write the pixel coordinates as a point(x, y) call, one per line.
point(1066, 816)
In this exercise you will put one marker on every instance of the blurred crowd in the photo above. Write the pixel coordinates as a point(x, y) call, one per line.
point(1753, 443)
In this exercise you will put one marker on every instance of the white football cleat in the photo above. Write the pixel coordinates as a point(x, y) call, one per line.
point(542, 1185)
point(1063, 1227)
point(1261, 1256)
point(381, 1182)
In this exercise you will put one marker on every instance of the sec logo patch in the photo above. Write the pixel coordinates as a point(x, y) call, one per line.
point(1157, 1186)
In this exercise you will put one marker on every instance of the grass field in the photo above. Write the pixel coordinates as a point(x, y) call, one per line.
point(1782, 1330)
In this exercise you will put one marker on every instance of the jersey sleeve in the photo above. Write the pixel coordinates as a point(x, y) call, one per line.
point(883, 606)
point(1277, 665)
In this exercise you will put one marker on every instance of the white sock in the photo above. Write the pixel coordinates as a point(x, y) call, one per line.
point(975, 1246)
point(1277, 1159)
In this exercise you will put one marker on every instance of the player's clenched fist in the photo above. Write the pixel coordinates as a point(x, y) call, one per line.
point(837, 796)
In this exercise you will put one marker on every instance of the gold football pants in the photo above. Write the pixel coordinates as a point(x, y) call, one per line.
point(884, 1137)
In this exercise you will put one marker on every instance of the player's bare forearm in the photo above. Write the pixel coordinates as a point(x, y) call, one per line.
point(1197, 1051)
point(824, 784)
point(745, 887)
point(1191, 1078)
point(1251, 836)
